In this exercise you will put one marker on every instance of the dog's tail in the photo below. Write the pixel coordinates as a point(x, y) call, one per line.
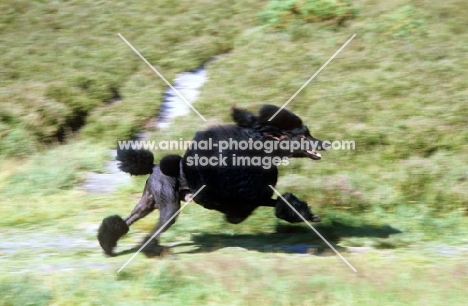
point(141, 162)
point(135, 162)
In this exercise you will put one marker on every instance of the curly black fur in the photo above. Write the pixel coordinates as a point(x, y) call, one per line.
point(284, 120)
point(232, 188)
point(242, 117)
point(170, 165)
point(110, 231)
point(135, 162)
point(283, 211)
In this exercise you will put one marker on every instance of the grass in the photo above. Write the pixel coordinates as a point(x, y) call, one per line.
point(70, 88)
point(248, 277)
point(281, 14)
point(23, 291)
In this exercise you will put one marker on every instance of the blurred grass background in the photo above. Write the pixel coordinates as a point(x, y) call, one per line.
point(70, 88)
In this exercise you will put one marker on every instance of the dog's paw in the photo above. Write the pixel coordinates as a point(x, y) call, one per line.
point(284, 211)
point(153, 249)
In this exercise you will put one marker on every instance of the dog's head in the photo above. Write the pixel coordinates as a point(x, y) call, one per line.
point(285, 127)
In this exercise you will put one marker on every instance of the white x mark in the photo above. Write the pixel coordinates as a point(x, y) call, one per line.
point(162, 77)
point(306, 83)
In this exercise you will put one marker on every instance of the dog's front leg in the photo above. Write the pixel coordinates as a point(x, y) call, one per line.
point(284, 211)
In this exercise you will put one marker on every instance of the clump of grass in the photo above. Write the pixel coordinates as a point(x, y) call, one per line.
point(72, 99)
point(417, 179)
point(17, 141)
point(77, 107)
point(102, 88)
point(280, 13)
point(403, 22)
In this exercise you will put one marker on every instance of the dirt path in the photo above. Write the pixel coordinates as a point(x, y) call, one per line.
point(48, 249)
point(43, 250)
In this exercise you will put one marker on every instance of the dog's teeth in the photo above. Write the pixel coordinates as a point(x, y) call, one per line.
point(318, 154)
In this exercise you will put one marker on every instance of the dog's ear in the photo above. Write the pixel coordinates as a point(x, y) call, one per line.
point(243, 118)
point(284, 120)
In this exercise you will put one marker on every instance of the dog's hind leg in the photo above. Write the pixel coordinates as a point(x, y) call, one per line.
point(114, 227)
point(168, 213)
point(143, 208)
point(166, 195)
point(153, 248)
point(161, 192)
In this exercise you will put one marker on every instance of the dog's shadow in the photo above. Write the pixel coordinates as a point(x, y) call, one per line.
point(286, 238)
point(290, 238)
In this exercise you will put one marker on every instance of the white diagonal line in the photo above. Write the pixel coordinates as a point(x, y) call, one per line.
point(306, 83)
point(313, 228)
point(162, 77)
point(162, 228)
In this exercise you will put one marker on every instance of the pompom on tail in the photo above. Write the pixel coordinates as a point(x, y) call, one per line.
point(135, 162)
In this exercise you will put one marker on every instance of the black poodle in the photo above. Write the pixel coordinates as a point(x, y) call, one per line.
point(232, 167)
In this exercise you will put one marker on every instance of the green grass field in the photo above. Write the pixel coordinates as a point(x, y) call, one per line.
point(396, 207)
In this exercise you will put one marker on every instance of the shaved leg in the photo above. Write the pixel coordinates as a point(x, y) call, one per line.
point(143, 208)
point(167, 217)
point(166, 196)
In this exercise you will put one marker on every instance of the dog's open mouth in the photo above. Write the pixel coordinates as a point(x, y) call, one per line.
point(314, 155)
